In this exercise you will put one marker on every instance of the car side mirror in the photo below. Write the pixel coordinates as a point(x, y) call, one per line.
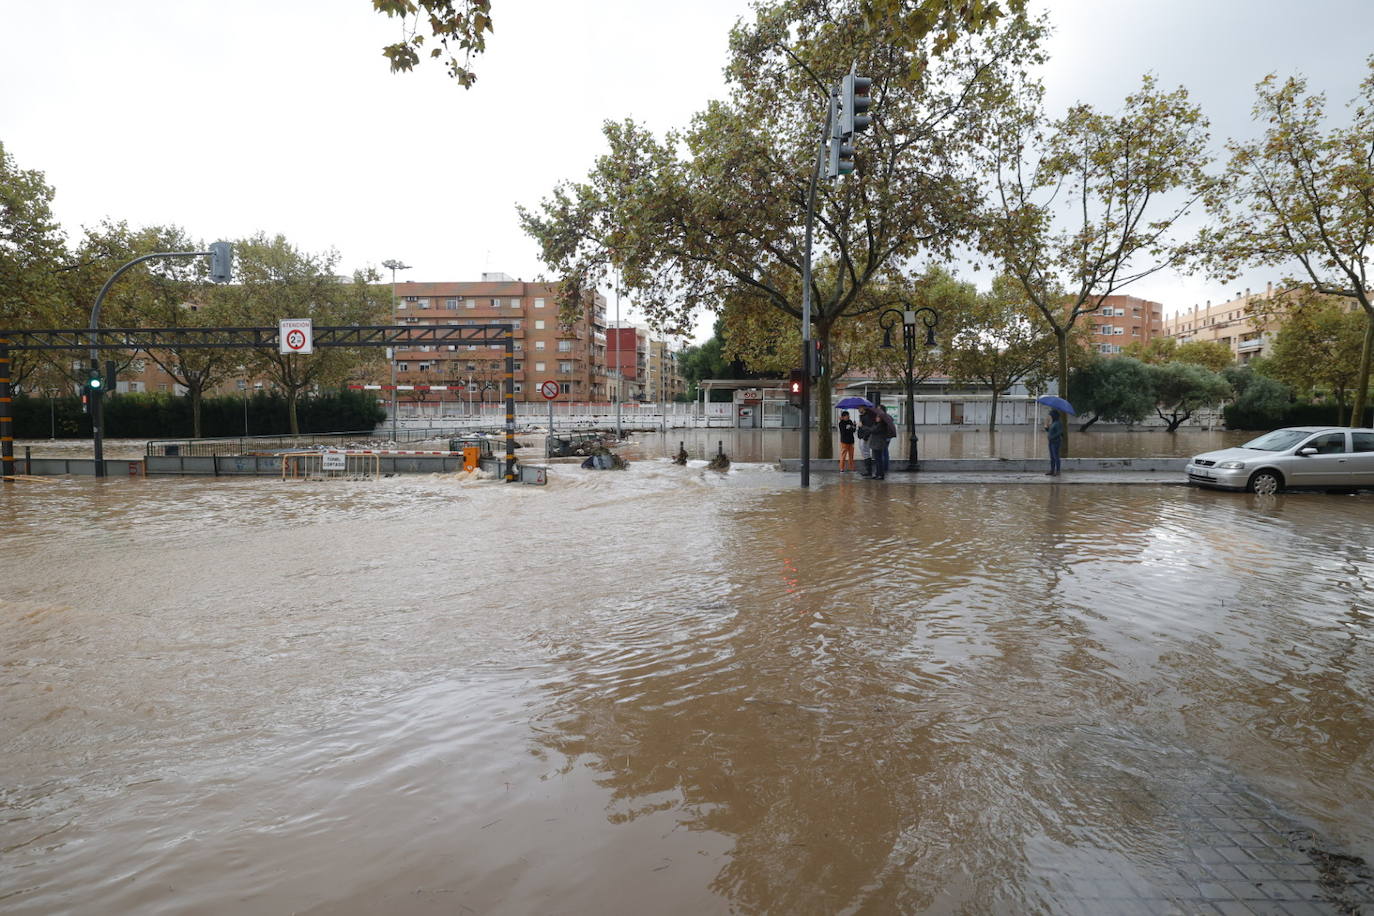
point(1310, 450)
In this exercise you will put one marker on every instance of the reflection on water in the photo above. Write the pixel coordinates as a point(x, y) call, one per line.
point(663, 690)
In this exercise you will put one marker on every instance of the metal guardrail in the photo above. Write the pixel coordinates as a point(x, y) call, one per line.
point(247, 445)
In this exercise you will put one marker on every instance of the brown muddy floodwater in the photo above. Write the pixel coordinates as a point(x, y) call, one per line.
point(669, 690)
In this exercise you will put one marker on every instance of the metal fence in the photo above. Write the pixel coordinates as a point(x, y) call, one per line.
point(248, 445)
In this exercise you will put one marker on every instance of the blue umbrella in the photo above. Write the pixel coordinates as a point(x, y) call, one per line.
point(1050, 400)
point(853, 401)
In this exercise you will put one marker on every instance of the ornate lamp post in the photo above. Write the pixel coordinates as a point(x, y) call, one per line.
point(887, 320)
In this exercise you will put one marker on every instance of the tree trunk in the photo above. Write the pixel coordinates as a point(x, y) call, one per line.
point(1084, 427)
point(197, 394)
point(1362, 385)
point(992, 418)
point(822, 400)
point(1061, 339)
point(292, 396)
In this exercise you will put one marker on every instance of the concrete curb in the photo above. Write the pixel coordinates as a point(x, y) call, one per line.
point(1128, 466)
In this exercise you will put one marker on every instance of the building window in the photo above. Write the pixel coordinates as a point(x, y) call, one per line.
point(496, 303)
point(539, 324)
point(565, 365)
point(539, 303)
point(403, 367)
point(424, 303)
point(412, 298)
point(517, 365)
point(565, 346)
point(400, 306)
point(471, 303)
point(515, 303)
point(538, 367)
point(539, 344)
point(451, 304)
point(517, 387)
point(565, 387)
point(424, 367)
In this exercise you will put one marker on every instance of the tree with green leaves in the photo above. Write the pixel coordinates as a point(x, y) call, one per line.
point(32, 248)
point(1117, 390)
point(276, 280)
point(461, 27)
point(160, 293)
point(1303, 194)
point(1318, 348)
point(1182, 389)
point(1260, 401)
point(718, 210)
point(1159, 350)
point(1086, 205)
point(1000, 342)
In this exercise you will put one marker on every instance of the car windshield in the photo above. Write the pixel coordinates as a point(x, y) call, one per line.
point(1278, 440)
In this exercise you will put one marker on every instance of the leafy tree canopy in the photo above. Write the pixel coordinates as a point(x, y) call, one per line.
point(1181, 389)
point(460, 27)
point(716, 212)
point(1302, 195)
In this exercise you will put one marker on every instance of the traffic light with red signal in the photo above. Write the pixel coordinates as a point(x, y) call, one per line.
point(796, 387)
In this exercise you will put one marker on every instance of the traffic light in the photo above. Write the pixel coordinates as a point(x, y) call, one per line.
point(221, 262)
point(111, 376)
point(94, 381)
point(856, 97)
point(796, 386)
point(841, 157)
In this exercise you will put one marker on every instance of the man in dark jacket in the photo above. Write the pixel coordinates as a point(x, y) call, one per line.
point(884, 431)
point(867, 420)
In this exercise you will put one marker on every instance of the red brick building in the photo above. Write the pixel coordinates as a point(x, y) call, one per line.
point(571, 354)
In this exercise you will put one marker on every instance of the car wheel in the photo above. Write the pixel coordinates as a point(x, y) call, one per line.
point(1266, 483)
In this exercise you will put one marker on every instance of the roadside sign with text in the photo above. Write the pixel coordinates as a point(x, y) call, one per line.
point(297, 335)
point(334, 460)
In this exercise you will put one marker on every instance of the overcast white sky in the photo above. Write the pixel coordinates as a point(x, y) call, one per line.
point(231, 116)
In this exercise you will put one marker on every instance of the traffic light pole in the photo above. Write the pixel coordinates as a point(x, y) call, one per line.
point(807, 356)
point(97, 392)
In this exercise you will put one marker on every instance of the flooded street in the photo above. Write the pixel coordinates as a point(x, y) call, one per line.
point(670, 690)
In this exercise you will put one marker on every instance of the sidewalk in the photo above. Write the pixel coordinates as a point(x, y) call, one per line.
point(1096, 471)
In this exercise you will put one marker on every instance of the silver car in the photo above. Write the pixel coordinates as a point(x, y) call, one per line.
point(1300, 456)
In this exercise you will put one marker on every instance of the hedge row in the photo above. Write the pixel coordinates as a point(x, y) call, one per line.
point(1299, 413)
point(166, 416)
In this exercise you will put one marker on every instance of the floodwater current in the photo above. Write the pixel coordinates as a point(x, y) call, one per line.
point(664, 690)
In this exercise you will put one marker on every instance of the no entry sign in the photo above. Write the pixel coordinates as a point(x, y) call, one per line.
point(296, 335)
point(549, 389)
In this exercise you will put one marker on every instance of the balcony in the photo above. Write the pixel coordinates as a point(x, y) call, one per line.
point(1247, 346)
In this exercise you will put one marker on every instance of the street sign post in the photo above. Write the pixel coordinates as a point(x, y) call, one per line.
point(297, 335)
point(549, 389)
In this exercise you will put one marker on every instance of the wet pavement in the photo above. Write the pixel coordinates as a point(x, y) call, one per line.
point(674, 690)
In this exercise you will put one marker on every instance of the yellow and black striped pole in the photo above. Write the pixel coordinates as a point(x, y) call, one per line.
point(6, 412)
point(510, 403)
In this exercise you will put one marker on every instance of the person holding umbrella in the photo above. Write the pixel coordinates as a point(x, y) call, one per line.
point(1054, 428)
point(1054, 431)
point(884, 431)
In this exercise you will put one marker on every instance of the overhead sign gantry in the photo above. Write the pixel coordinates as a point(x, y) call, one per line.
point(145, 339)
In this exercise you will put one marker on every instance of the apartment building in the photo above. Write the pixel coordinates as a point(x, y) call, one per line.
point(665, 381)
point(571, 354)
point(627, 357)
point(1246, 323)
point(1124, 320)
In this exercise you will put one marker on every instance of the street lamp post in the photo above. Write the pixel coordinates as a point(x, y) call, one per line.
point(887, 320)
point(393, 265)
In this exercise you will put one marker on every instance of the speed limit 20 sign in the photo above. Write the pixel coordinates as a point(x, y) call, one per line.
point(296, 335)
point(549, 389)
